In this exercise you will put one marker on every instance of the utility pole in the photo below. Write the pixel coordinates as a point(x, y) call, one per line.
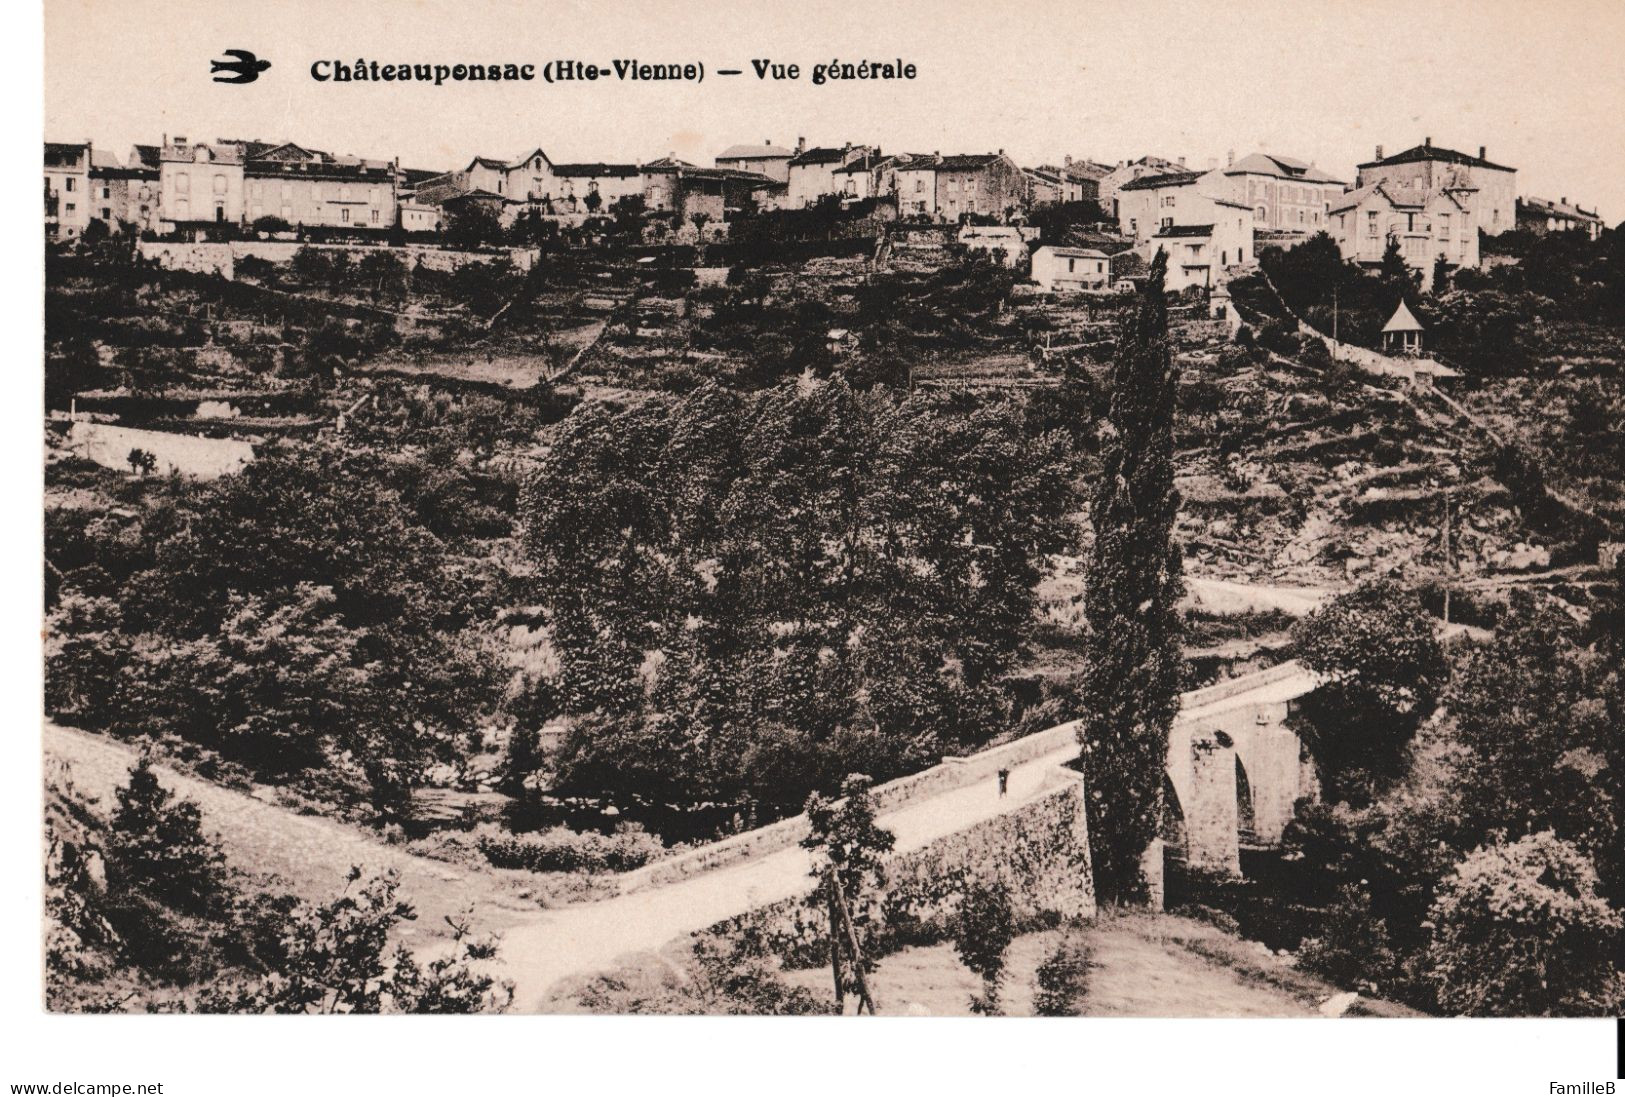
point(1448, 568)
point(1335, 342)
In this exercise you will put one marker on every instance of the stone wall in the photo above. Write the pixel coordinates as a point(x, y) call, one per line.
point(1040, 851)
point(951, 773)
point(206, 258)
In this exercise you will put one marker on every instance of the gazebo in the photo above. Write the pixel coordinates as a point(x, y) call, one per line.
point(1403, 332)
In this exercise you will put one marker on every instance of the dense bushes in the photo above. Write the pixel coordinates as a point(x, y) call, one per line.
point(1521, 931)
point(560, 849)
point(751, 596)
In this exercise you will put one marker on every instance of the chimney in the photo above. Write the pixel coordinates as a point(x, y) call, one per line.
point(1182, 163)
point(1066, 161)
point(1427, 142)
point(1230, 158)
point(1001, 152)
point(1561, 201)
point(768, 141)
point(801, 145)
point(1481, 152)
point(1379, 152)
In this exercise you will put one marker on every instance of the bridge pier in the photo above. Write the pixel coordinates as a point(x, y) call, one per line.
point(1212, 838)
point(1272, 757)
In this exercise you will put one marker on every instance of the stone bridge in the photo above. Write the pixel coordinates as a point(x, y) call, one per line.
point(1234, 769)
point(1233, 774)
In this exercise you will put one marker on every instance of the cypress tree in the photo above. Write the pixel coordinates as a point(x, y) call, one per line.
point(1130, 692)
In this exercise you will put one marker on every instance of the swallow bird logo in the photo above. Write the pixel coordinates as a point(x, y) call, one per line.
point(247, 68)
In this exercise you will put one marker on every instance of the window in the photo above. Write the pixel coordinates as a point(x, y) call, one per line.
point(1133, 226)
point(107, 192)
point(182, 212)
point(183, 183)
point(344, 215)
point(1071, 265)
point(70, 182)
point(68, 207)
point(1260, 213)
point(1444, 226)
point(1371, 223)
point(375, 217)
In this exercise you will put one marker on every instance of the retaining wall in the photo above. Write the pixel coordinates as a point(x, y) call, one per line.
point(207, 258)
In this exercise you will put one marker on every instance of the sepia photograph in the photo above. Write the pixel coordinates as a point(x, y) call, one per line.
point(1061, 510)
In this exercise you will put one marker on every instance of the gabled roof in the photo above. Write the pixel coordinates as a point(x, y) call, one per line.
point(1397, 195)
point(822, 156)
point(1167, 179)
point(968, 161)
point(1279, 167)
point(1420, 153)
point(1402, 320)
point(145, 156)
point(596, 171)
point(755, 152)
point(486, 162)
point(318, 169)
point(861, 166)
point(521, 161)
point(1186, 230)
point(420, 176)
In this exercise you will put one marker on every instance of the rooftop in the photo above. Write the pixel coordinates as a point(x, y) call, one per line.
point(1167, 179)
point(1427, 151)
point(1186, 230)
point(1402, 320)
point(1280, 167)
point(755, 152)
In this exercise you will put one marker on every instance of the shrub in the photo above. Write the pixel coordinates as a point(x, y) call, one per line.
point(1062, 978)
point(1519, 930)
point(560, 849)
point(1353, 949)
point(983, 930)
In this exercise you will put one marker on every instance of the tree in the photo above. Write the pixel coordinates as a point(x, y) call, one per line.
point(983, 928)
point(1392, 268)
point(594, 201)
point(1384, 667)
point(156, 844)
point(848, 849)
point(1519, 930)
point(1441, 274)
point(1130, 690)
point(337, 959)
point(700, 220)
point(141, 462)
point(472, 225)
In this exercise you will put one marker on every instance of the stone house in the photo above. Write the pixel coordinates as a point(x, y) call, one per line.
point(67, 189)
point(1153, 204)
point(1045, 186)
point(317, 191)
point(125, 195)
point(199, 184)
point(1286, 195)
point(1127, 171)
point(912, 177)
point(1428, 223)
point(1199, 254)
point(765, 159)
point(986, 184)
point(1071, 270)
point(811, 172)
point(1540, 216)
point(1431, 167)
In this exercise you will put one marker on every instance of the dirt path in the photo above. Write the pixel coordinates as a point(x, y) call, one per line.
point(309, 855)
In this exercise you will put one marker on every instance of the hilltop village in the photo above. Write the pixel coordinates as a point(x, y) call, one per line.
point(704, 574)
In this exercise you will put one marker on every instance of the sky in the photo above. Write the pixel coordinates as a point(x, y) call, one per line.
point(1541, 86)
